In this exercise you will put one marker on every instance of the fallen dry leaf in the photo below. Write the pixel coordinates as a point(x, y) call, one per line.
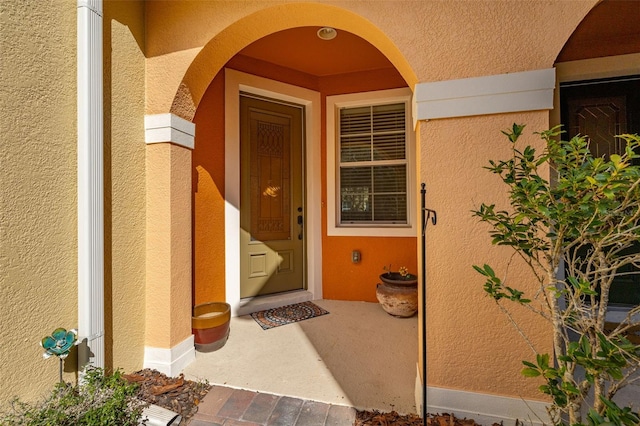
point(159, 390)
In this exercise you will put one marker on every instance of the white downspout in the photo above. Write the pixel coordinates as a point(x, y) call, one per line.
point(90, 186)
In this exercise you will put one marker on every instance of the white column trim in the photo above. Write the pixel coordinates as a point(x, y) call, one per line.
point(494, 94)
point(170, 361)
point(169, 128)
point(90, 185)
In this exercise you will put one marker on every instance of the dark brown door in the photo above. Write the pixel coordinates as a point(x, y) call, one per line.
point(601, 110)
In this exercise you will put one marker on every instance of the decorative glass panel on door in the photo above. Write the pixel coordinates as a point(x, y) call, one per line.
point(601, 119)
point(270, 180)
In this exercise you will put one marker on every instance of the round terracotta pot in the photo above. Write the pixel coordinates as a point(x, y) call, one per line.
point(210, 325)
point(395, 278)
point(399, 300)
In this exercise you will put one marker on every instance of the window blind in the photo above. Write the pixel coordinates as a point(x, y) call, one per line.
point(373, 164)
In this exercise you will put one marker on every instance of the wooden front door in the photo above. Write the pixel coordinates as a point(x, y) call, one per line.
point(272, 258)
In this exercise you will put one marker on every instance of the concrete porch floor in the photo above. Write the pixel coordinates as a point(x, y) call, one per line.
point(356, 356)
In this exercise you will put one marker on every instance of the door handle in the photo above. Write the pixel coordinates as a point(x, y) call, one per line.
point(300, 222)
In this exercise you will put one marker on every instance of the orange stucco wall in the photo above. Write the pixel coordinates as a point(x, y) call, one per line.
point(341, 278)
point(208, 197)
point(345, 280)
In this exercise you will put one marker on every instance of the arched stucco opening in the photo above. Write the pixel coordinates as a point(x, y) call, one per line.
point(605, 45)
point(219, 50)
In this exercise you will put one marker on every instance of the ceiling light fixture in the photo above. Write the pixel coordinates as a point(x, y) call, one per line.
point(327, 33)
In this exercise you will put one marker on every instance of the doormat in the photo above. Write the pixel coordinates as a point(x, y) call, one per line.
point(287, 314)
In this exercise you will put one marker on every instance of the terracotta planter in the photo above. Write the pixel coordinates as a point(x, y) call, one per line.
point(210, 325)
point(394, 278)
point(398, 296)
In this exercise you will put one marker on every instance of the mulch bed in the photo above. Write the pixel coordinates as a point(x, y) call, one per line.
point(376, 418)
point(173, 393)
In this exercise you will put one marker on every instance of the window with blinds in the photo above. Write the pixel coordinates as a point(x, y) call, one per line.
point(372, 163)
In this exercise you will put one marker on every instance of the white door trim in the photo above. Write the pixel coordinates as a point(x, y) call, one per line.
point(235, 82)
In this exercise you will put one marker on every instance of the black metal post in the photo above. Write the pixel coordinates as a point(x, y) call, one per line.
point(426, 214)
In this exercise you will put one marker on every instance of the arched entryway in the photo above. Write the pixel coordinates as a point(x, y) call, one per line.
point(213, 209)
point(230, 41)
point(311, 70)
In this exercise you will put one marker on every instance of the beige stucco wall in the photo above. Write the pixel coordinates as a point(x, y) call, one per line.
point(125, 187)
point(38, 250)
point(471, 344)
point(185, 62)
point(426, 41)
point(168, 296)
point(38, 199)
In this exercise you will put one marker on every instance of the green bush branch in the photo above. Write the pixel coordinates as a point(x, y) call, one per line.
point(569, 209)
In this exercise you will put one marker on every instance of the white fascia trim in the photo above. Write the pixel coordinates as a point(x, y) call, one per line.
point(494, 94)
point(484, 408)
point(169, 128)
point(171, 361)
point(592, 69)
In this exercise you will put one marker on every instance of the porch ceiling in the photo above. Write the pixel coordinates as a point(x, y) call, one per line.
point(611, 28)
point(301, 49)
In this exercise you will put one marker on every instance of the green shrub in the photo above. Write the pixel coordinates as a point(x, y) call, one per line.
point(100, 400)
point(575, 212)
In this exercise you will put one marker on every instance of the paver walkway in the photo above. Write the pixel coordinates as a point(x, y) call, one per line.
point(237, 407)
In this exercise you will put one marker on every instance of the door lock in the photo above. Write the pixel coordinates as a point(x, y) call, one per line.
point(301, 226)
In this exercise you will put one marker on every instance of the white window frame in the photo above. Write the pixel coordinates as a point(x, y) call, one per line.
point(333, 104)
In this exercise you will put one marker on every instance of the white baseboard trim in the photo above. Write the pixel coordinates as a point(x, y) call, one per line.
point(485, 409)
point(170, 361)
